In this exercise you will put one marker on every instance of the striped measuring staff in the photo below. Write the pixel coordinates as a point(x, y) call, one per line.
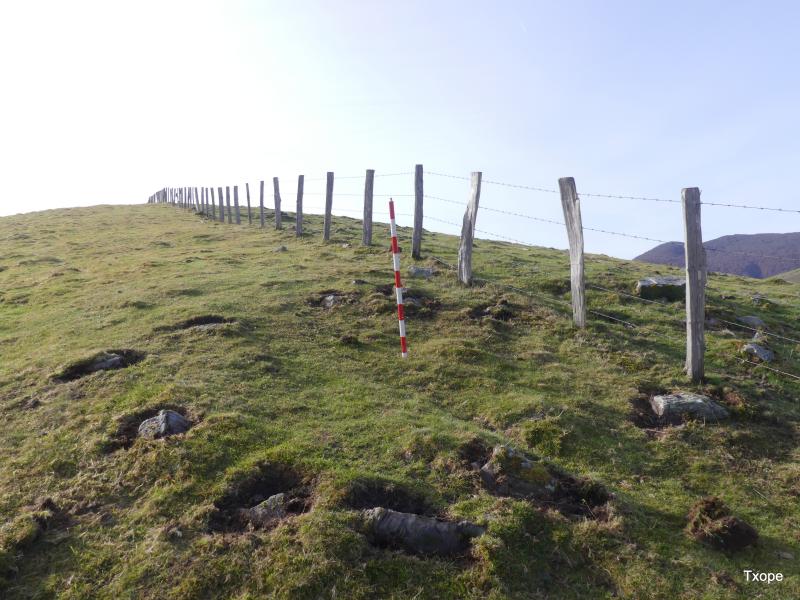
point(398, 286)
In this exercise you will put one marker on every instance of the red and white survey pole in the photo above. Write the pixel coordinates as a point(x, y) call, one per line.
point(398, 286)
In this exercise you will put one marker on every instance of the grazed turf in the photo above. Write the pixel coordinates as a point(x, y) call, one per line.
point(233, 334)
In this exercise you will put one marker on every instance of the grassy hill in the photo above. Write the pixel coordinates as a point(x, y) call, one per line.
point(791, 276)
point(287, 392)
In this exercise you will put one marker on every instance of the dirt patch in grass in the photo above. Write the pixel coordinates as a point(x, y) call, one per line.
point(501, 310)
point(711, 523)
point(474, 453)
point(102, 361)
point(270, 493)
point(367, 492)
point(329, 299)
point(128, 425)
point(416, 303)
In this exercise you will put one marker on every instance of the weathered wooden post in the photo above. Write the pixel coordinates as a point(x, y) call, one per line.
point(416, 238)
point(213, 203)
point(277, 191)
point(366, 225)
point(249, 214)
point(228, 203)
point(326, 230)
point(197, 204)
point(571, 204)
point(221, 205)
point(261, 204)
point(695, 284)
point(464, 265)
point(298, 216)
point(236, 204)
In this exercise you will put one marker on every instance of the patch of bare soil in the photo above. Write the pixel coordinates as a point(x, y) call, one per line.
point(102, 361)
point(711, 523)
point(271, 493)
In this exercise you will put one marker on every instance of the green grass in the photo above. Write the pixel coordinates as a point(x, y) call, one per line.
point(282, 386)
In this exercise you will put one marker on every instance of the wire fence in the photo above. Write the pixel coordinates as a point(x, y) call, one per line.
point(670, 311)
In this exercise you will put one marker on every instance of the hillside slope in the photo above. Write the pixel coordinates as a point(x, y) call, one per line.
point(758, 255)
point(791, 276)
point(290, 390)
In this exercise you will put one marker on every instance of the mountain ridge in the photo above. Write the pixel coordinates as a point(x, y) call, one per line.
point(759, 255)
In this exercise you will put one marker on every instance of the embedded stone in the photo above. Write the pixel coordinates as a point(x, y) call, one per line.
point(686, 404)
point(419, 534)
point(668, 287)
point(270, 510)
point(752, 321)
point(759, 352)
point(510, 473)
point(423, 272)
point(164, 424)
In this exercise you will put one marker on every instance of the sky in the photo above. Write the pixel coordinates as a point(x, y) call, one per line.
point(107, 102)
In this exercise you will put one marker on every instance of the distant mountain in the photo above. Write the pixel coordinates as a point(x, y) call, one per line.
point(759, 255)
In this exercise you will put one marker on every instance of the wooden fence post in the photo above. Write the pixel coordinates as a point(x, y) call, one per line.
point(261, 204)
point(416, 239)
point(571, 204)
point(298, 216)
point(202, 200)
point(326, 230)
point(198, 206)
point(249, 214)
point(277, 190)
point(236, 204)
point(695, 284)
point(366, 225)
point(468, 230)
point(228, 203)
point(221, 205)
point(213, 205)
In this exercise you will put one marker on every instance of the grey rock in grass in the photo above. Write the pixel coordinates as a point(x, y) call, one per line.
point(752, 321)
point(165, 423)
point(760, 352)
point(419, 534)
point(281, 249)
point(668, 287)
point(106, 361)
point(686, 404)
point(510, 473)
point(330, 300)
point(423, 272)
point(267, 512)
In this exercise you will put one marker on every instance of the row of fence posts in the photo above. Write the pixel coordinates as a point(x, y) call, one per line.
point(205, 202)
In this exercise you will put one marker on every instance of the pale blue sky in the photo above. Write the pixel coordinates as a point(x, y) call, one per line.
point(106, 102)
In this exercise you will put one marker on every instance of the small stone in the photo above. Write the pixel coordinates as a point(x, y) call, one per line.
point(164, 424)
point(667, 287)
point(345, 245)
point(281, 249)
point(330, 301)
point(673, 407)
point(752, 321)
point(270, 510)
point(105, 362)
point(423, 272)
point(358, 282)
point(759, 352)
point(786, 555)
